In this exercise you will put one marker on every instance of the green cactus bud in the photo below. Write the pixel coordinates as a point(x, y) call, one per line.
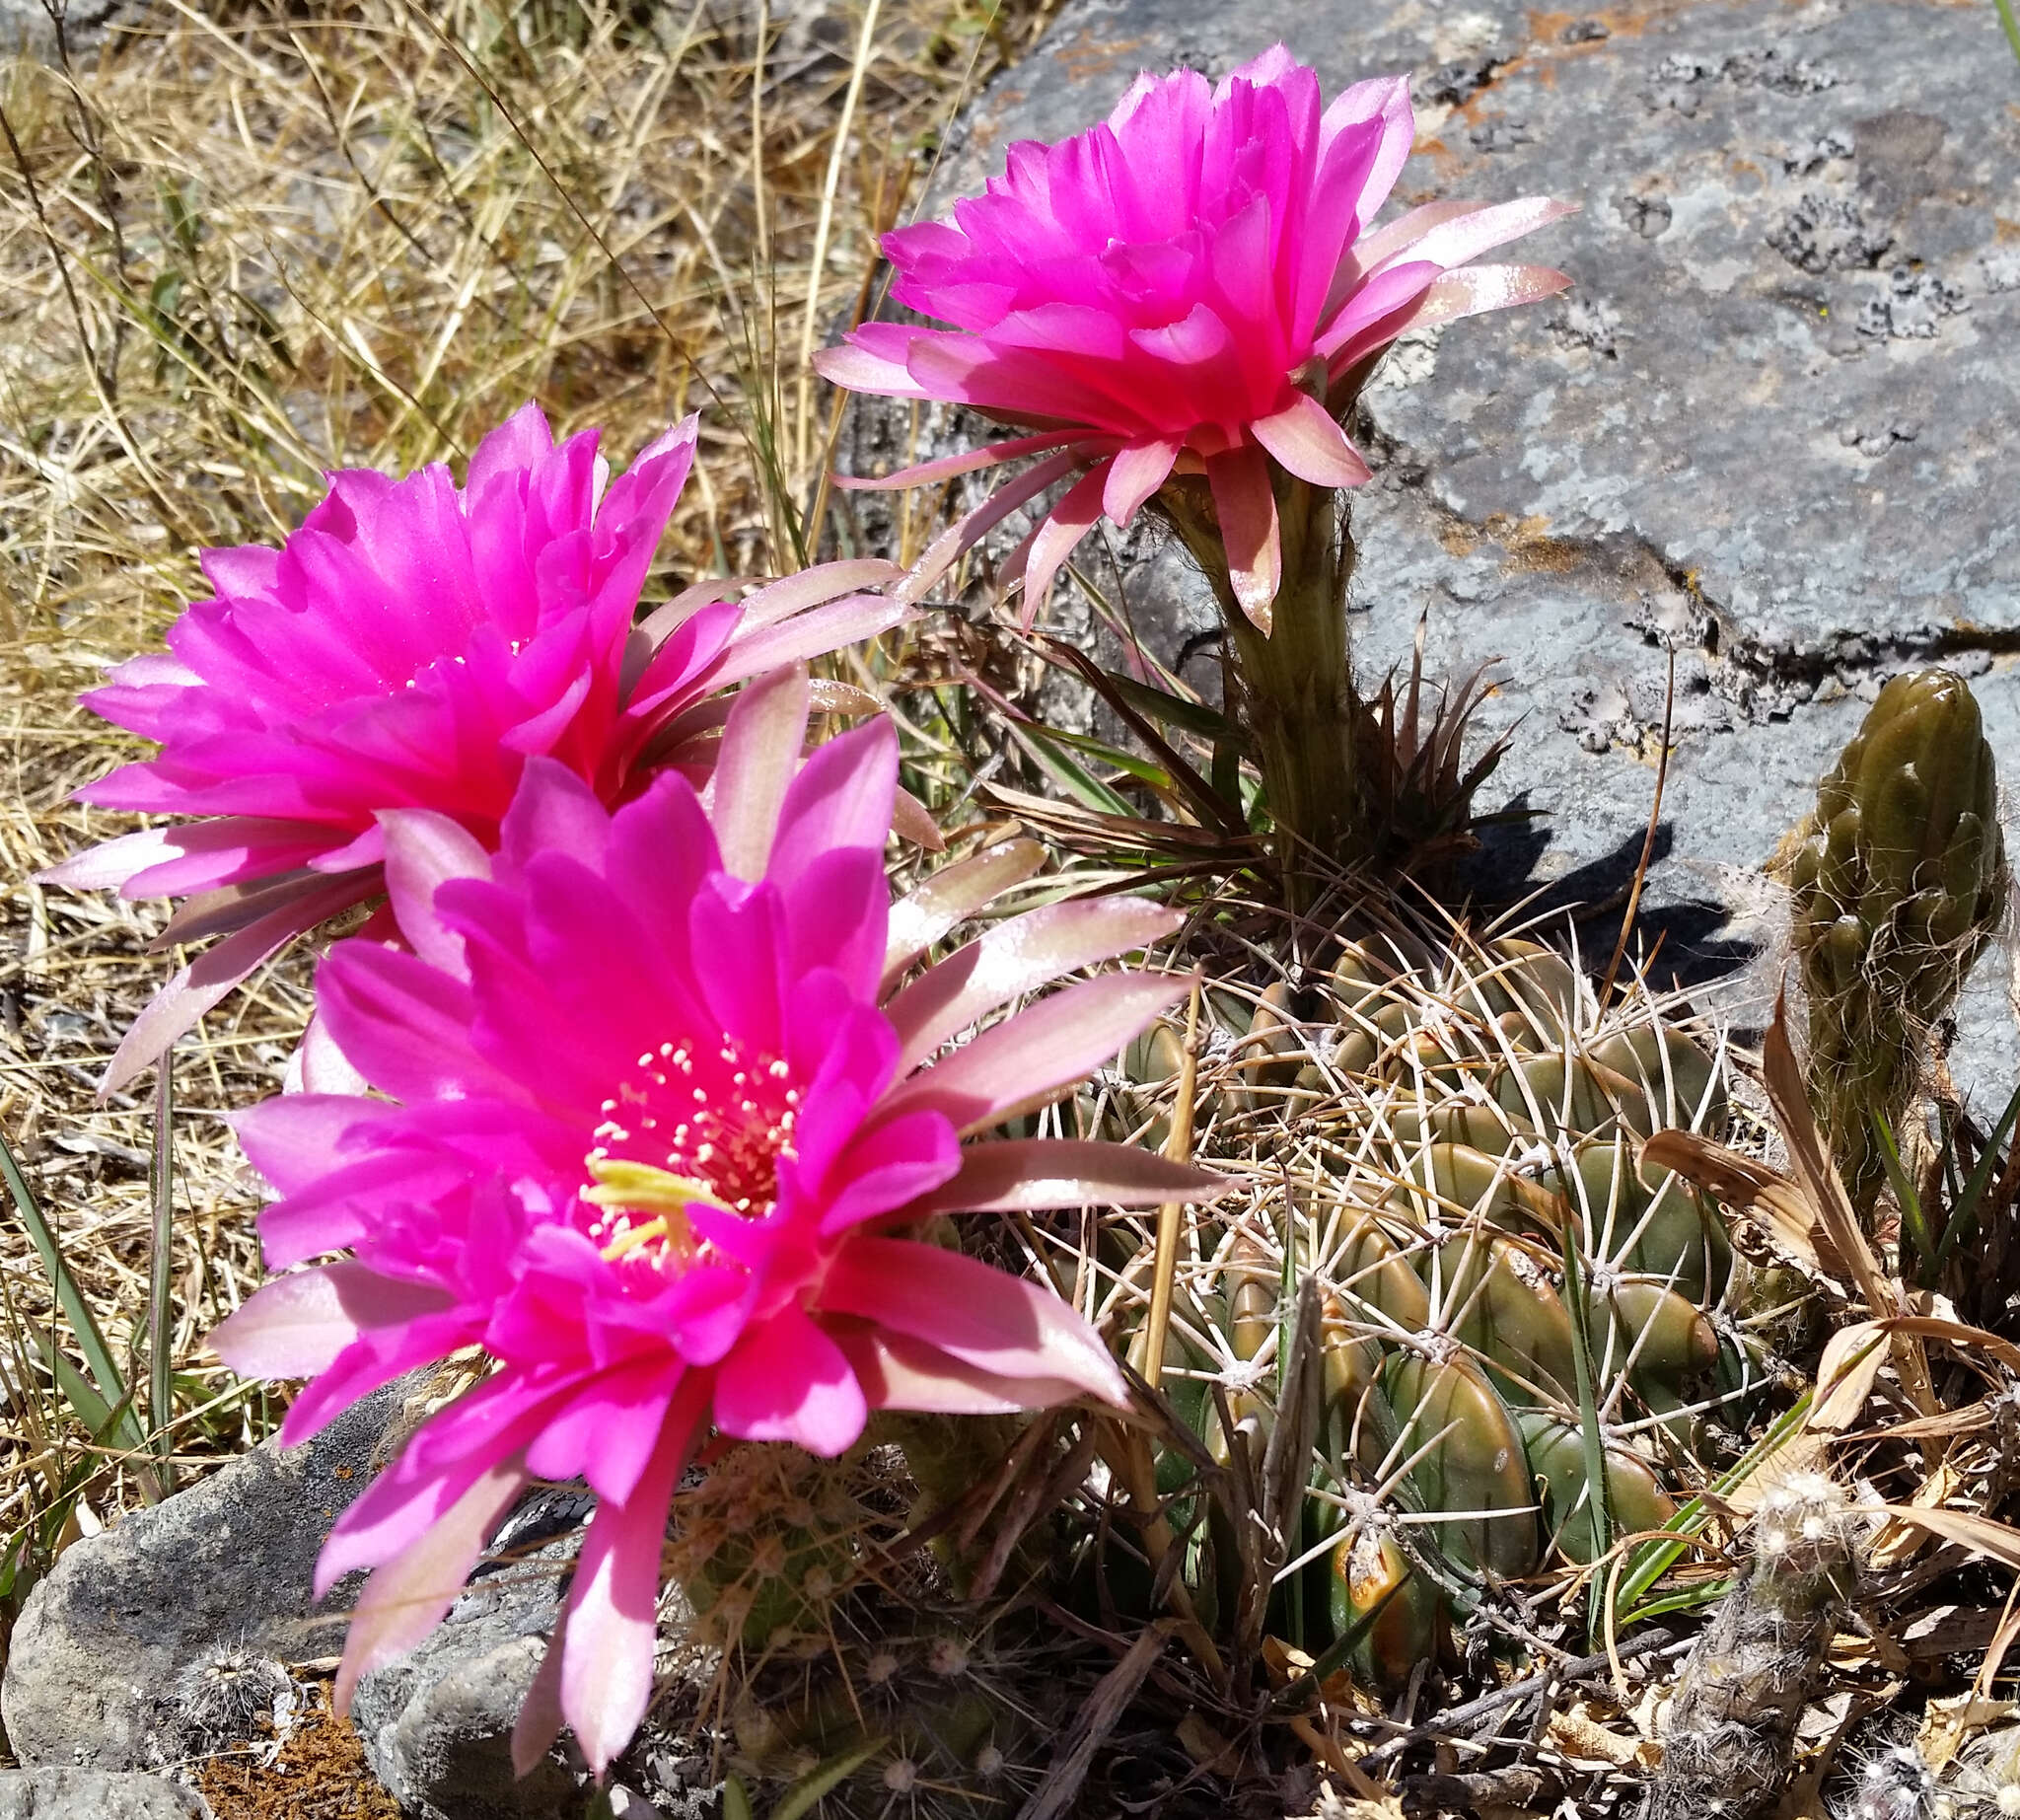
point(1897, 886)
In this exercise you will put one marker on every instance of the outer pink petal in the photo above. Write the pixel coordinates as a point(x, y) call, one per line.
point(898, 1372)
point(297, 1325)
point(1305, 440)
point(205, 982)
point(1466, 237)
point(1028, 1174)
point(1065, 525)
point(1137, 472)
point(612, 1609)
point(406, 1598)
point(787, 1381)
point(951, 896)
point(425, 849)
point(949, 467)
point(1018, 957)
point(760, 751)
point(1028, 1060)
point(1246, 509)
point(984, 1317)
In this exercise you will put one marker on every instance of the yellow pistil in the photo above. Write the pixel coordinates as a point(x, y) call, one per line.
point(625, 1187)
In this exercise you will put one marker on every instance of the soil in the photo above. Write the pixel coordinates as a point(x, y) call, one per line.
point(319, 1773)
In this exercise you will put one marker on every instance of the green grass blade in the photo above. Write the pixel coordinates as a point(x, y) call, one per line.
point(98, 1356)
point(1334, 1656)
point(1067, 773)
point(805, 1795)
point(1962, 1220)
point(1652, 1560)
point(1912, 1222)
point(1173, 710)
point(2012, 24)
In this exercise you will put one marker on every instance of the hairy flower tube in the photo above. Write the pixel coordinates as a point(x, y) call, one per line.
point(1195, 288)
point(665, 1112)
point(412, 646)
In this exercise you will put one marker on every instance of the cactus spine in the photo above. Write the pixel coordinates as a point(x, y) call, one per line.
point(1466, 1118)
point(1899, 882)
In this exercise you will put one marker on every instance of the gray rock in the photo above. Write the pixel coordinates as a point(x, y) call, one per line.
point(1765, 432)
point(92, 1794)
point(437, 1725)
point(102, 1659)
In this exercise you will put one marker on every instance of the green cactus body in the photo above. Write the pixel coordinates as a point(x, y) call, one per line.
point(1897, 882)
point(1477, 1116)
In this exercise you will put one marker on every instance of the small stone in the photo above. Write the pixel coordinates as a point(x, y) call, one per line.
point(92, 1795)
point(99, 1663)
point(1584, 31)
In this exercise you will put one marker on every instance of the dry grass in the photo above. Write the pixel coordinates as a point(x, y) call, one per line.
point(243, 243)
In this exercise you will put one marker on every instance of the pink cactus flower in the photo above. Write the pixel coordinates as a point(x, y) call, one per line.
point(1194, 286)
point(663, 1106)
point(412, 646)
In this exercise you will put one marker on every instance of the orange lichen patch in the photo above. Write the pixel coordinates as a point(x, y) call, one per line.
point(2004, 230)
point(1459, 540)
point(319, 1773)
point(1530, 547)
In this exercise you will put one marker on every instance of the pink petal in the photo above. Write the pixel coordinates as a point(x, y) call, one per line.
point(613, 1608)
point(951, 896)
point(408, 1597)
point(829, 581)
point(1464, 238)
point(967, 532)
point(1139, 468)
point(786, 1380)
point(948, 466)
point(205, 982)
point(898, 1372)
point(1246, 509)
point(1016, 957)
point(1029, 1060)
point(812, 634)
point(1067, 523)
point(1304, 439)
point(112, 863)
point(1029, 1174)
point(987, 1318)
point(297, 1325)
point(760, 752)
point(423, 849)
point(317, 1065)
point(842, 798)
point(856, 369)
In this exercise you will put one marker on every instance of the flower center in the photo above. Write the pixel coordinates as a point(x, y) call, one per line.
point(693, 1125)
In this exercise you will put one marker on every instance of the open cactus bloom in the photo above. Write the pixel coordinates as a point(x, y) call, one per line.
point(1194, 286)
point(412, 646)
point(663, 1115)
